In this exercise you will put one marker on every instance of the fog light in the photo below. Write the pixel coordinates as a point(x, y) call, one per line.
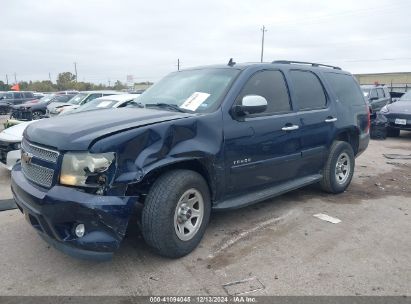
point(80, 230)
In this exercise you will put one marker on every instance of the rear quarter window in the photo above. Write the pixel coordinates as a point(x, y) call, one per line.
point(345, 88)
point(308, 90)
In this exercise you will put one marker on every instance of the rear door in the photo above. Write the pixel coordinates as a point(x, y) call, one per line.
point(373, 98)
point(258, 150)
point(382, 98)
point(316, 118)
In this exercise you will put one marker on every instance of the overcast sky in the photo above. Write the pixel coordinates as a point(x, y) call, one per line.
point(111, 39)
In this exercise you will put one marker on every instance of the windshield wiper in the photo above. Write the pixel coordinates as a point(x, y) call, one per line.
point(136, 104)
point(167, 105)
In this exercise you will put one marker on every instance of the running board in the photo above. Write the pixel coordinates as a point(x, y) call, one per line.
point(261, 195)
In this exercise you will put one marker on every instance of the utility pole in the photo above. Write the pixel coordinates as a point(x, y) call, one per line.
point(50, 77)
point(109, 82)
point(75, 69)
point(15, 78)
point(262, 43)
point(178, 64)
point(7, 79)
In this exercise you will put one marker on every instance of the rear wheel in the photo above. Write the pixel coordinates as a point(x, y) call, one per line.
point(176, 213)
point(339, 168)
point(393, 132)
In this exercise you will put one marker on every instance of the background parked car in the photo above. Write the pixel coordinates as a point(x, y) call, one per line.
point(10, 144)
point(14, 98)
point(398, 115)
point(34, 111)
point(81, 98)
point(107, 102)
point(376, 96)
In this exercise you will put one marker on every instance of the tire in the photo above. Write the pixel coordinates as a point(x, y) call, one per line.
point(165, 213)
point(393, 132)
point(37, 115)
point(335, 180)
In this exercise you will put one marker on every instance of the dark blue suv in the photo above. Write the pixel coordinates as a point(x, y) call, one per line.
point(202, 139)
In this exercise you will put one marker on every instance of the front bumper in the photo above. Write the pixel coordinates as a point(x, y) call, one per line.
point(392, 117)
point(55, 212)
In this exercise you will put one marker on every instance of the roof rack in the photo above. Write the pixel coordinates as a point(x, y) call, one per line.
point(309, 63)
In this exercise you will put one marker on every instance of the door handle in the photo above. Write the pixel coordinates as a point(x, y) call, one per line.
point(290, 128)
point(330, 119)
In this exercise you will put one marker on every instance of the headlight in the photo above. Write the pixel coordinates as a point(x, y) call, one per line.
point(59, 110)
point(384, 109)
point(85, 169)
point(16, 146)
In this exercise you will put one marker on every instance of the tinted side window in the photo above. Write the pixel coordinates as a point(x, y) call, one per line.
point(380, 93)
point(271, 85)
point(346, 88)
point(308, 90)
point(18, 95)
point(28, 95)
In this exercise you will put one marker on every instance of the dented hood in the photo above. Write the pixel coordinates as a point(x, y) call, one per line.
point(77, 131)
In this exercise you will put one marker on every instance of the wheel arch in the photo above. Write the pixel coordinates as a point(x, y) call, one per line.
point(351, 136)
point(200, 166)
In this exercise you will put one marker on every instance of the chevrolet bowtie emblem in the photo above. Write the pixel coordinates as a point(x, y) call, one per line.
point(26, 157)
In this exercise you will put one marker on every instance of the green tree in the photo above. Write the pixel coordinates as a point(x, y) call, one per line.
point(119, 86)
point(4, 87)
point(66, 81)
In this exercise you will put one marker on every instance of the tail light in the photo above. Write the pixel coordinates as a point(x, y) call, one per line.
point(367, 129)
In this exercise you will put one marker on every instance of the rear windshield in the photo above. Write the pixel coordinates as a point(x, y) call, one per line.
point(346, 88)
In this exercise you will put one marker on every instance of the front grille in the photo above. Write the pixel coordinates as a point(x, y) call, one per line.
point(37, 174)
point(43, 174)
point(40, 152)
point(20, 114)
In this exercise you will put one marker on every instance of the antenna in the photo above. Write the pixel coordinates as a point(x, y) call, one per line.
point(231, 62)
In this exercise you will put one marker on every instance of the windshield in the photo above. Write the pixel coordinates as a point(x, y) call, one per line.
point(192, 90)
point(46, 98)
point(97, 104)
point(77, 99)
point(9, 96)
point(406, 97)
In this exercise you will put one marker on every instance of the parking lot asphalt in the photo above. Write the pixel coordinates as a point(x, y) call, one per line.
point(273, 248)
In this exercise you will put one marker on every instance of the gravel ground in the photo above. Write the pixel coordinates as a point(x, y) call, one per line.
point(274, 248)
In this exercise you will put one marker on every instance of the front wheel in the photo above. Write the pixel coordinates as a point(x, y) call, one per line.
point(37, 115)
point(176, 213)
point(339, 168)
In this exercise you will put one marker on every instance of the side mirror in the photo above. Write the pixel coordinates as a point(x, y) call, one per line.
point(251, 104)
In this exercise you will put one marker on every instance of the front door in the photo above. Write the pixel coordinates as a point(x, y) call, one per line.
point(262, 149)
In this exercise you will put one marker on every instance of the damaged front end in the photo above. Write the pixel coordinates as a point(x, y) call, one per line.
point(56, 213)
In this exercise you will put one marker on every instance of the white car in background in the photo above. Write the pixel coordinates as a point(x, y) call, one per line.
point(78, 100)
point(10, 138)
point(10, 144)
point(106, 102)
